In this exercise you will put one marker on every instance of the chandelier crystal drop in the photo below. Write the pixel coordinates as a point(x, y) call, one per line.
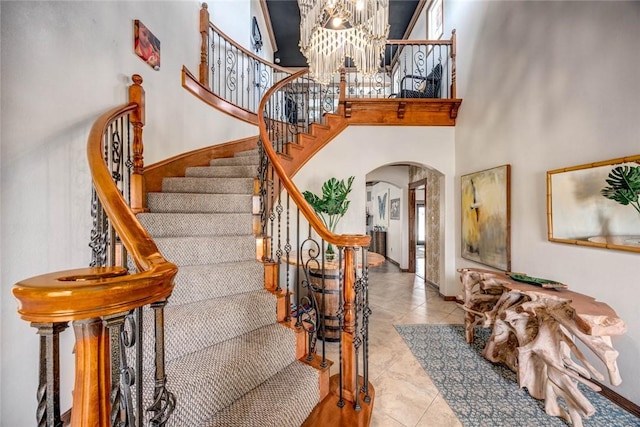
point(332, 30)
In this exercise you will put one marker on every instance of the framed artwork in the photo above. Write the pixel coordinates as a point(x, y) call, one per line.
point(486, 217)
point(596, 204)
point(382, 208)
point(435, 20)
point(146, 45)
point(394, 209)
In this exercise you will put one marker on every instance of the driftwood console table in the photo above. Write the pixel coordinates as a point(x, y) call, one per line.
point(533, 333)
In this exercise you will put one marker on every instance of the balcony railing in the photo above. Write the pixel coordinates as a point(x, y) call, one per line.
point(417, 69)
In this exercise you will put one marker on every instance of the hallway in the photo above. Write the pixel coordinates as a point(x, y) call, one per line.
point(405, 395)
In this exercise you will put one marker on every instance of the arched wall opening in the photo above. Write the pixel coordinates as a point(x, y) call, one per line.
point(359, 150)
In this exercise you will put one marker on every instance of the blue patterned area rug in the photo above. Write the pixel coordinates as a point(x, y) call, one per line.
point(484, 394)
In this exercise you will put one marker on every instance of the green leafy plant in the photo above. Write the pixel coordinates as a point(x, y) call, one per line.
point(333, 204)
point(624, 186)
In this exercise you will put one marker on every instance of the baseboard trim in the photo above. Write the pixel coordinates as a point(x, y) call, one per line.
point(397, 264)
point(449, 298)
point(619, 400)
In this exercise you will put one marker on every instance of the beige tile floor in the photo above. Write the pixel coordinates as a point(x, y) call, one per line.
point(405, 395)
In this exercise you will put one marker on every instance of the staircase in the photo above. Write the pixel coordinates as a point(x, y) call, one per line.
point(229, 361)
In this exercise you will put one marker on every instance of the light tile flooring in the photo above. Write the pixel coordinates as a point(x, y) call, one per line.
point(404, 393)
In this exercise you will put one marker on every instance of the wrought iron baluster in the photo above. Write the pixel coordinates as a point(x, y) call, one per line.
point(99, 242)
point(231, 78)
point(287, 250)
point(139, 359)
point(340, 315)
point(308, 310)
point(365, 324)
point(214, 62)
point(123, 377)
point(278, 210)
point(48, 394)
point(164, 401)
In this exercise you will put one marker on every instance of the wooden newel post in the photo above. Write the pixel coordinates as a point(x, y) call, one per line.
point(204, 48)
point(349, 386)
point(453, 64)
point(136, 95)
point(91, 397)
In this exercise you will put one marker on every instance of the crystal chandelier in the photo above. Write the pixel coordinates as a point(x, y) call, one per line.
point(332, 30)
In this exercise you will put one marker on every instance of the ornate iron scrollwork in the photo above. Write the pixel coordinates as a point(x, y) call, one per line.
point(122, 331)
point(99, 233)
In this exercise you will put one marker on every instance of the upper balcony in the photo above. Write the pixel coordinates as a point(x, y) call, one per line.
point(415, 84)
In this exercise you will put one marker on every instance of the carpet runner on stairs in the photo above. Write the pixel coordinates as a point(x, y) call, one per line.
point(228, 361)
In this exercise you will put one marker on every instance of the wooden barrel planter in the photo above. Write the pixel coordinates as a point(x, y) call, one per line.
point(328, 300)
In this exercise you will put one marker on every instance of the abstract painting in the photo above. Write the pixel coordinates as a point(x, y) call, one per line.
point(486, 218)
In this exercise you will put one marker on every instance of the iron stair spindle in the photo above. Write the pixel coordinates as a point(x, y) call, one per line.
point(365, 324)
point(122, 376)
point(139, 359)
point(357, 339)
point(340, 313)
point(164, 401)
point(287, 250)
point(48, 394)
point(279, 220)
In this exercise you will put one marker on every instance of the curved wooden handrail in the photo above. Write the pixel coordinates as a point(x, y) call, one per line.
point(135, 238)
point(343, 240)
point(95, 292)
point(191, 83)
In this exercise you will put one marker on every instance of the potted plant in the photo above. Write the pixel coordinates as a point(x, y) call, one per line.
point(333, 204)
point(624, 186)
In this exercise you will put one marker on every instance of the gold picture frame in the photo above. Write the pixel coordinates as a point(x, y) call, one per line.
point(579, 214)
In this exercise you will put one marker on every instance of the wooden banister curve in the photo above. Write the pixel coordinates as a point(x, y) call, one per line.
point(344, 240)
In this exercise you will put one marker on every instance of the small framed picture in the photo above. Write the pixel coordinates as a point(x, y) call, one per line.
point(435, 20)
point(394, 209)
point(146, 45)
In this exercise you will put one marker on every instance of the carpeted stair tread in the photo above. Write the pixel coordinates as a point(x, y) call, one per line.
point(166, 224)
point(253, 152)
point(284, 400)
point(199, 282)
point(207, 250)
point(213, 378)
point(236, 161)
point(203, 324)
point(208, 185)
point(250, 171)
point(195, 202)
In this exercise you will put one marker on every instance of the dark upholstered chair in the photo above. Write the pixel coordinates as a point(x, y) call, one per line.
point(412, 86)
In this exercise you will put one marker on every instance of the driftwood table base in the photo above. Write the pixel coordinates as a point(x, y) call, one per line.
point(534, 332)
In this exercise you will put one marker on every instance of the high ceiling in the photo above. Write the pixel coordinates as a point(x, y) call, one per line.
point(285, 20)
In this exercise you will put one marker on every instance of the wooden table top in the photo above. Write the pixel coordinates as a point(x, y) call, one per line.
point(373, 260)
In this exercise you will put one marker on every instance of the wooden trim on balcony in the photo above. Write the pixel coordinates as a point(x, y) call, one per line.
point(401, 111)
point(191, 83)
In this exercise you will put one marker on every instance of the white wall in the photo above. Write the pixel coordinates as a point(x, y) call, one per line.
point(548, 85)
point(63, 64)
